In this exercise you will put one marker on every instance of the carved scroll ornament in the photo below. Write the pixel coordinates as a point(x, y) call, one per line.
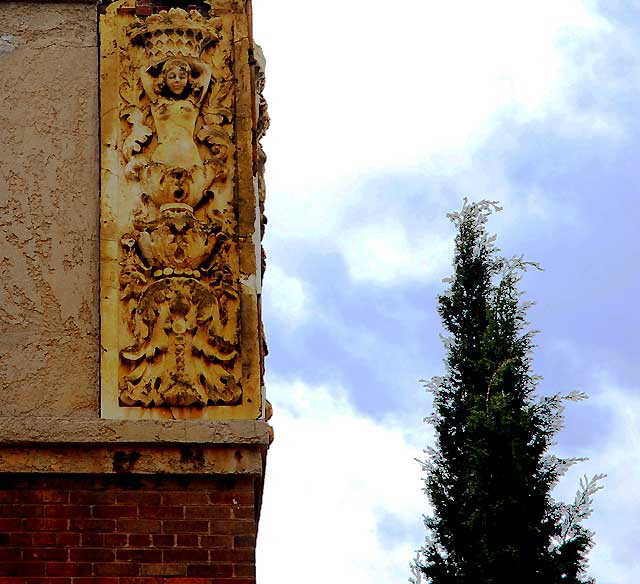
point(178, 282)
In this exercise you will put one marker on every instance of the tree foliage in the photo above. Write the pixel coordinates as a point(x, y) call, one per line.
point(490, 476)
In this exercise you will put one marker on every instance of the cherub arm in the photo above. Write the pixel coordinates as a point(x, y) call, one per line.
point(148, 82)
point(201, 77)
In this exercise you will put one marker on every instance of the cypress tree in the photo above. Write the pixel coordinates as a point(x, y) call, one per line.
point(490, 476)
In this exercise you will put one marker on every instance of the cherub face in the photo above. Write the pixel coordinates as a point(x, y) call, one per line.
point(176, 79)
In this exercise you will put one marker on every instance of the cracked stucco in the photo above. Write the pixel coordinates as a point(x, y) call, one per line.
point(8, 43)
point(49, 209)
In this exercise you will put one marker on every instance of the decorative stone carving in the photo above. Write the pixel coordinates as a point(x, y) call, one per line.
point(262, 125)
point(183, 297)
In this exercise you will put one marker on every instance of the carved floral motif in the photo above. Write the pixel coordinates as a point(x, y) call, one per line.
point(179, 269)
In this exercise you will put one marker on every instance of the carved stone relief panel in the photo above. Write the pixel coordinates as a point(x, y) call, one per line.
point(259, 161)
point(181, 333)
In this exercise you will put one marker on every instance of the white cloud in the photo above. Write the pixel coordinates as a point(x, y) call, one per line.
point(616, 516)
point(287, 297)
point(616, 519)
point(363, 86)
point(385, 253)
point(357, 88)
point(343, 500)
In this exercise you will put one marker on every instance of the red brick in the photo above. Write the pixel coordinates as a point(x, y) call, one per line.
point(10, 524)
point(9, 496)
point(233, 527)
point(67, 539)
point(233, 556)
point(20, 539)
point(148, 556)
point(145, 580)
point(95, 525)
point(217, 541)
point(92, 497)
point(232, 498)
point(11, 580)
point(54, 496)
point(185, 555)
point(208, 512)
point(162, 512)
point(190, 581)
point(141, 530)
point(191, 526)
point(38, 524)
point(88, 580)
point(244, 541)
point(44, 496)
point(46, 554)
point(140, 540)
point(44, 538)
point(188, 540)
point(164, 540)
point(244, 484)
point(68, 569)
point(57, 483)
point(21, 510)
point(163, 569)
point(70, 511)
point(138, 498)
point(138, 526)
point(22, 569)
point(10, 554)
point(243, 512)
point(185, 498)
point(244, 570)
point(211, 570)
point(114, 511)
point(92, 555)
point(94, 540)
point(115, 540)
point(116, 569)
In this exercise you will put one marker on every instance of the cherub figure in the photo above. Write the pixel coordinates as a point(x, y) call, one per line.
point(175, 172)
point(176, 96)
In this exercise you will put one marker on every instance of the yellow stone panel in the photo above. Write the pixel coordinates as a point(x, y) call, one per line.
point(181, 209)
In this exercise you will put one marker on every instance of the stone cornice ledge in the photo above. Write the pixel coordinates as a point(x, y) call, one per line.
point(62, 431)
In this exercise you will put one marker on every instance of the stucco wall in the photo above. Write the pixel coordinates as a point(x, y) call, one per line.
point(49, 209)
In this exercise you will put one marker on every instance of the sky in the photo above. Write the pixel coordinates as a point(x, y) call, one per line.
point(383, 117)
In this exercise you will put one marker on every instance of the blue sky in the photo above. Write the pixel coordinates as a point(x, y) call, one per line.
point(383, 118)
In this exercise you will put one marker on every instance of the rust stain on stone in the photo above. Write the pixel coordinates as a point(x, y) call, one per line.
point(125, 461)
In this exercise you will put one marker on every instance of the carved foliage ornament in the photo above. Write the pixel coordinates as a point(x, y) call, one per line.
point(178, 268)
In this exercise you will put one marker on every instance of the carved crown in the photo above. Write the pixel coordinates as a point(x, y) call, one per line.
point(175, 33)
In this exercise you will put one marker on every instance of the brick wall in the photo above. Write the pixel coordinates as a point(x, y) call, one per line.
point(127, 530)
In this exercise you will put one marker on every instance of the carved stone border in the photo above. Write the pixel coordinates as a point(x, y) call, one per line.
point(248, 231)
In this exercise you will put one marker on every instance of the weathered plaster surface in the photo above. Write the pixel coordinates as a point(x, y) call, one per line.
point(49, 209)
point(187, 459)
point(100, 431)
